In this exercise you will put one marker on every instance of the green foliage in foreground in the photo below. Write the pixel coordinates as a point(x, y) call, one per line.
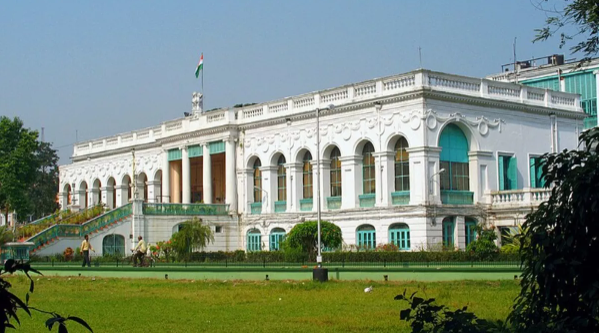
point(152, 305)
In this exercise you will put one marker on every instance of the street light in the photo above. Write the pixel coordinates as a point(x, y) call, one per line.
point(319, 257)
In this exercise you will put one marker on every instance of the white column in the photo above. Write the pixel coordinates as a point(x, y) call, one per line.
point(389, 181)
point(325, 183)
point(269, 186)
point(381, 186)
point(423, 163)
point(230, 175)
point(186, 187)
point(351, 181)
point(478, 162)
point(206, 176)
point(295, 193)
point(166, 191)
point(151, 191)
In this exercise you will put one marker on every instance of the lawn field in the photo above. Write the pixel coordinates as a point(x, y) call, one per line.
point(160, 305)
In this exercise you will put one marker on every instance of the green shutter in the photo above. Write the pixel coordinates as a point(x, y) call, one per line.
point(194, 151)
point(174, 154)
point(216, 147)
point(501, 172)
point(454, 144)
point(512, 173)
point(532, 174)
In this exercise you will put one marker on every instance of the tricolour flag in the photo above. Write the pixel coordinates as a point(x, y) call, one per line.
point(200, 63)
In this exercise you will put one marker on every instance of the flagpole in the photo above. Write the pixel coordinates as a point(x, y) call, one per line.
point(202, 56)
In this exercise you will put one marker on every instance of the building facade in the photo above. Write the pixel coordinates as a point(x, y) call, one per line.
point(554, 73)
point(416, 159)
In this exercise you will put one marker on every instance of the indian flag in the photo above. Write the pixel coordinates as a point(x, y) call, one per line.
point(200, 64)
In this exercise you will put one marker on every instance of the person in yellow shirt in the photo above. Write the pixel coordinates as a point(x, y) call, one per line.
point(139, 252)
point(85, 251)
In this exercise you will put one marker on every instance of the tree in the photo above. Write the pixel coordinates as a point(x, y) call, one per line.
point(43, 190)
point(304, 237)
point(6, 235)
point(193, 235)
point(583, 14)
point(484, 247)
point(10, 304)
point(17, 165)
point(559, 287)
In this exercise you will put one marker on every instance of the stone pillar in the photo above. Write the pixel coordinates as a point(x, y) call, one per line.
point(295, 186)
point(269, 188)
point(122, 194)
point(153, 191)
point(95, 198)
point(423, 163)
point(166, 190)
point(480, 165)
point(106, 195)
point(389, 177)
point(230, 175)
point(248, 175)
point(459, 232)
point(351, 181)
point(186, 187)
point(207, 194)
point(383, 184)
point(325, 183)
point(175, 194)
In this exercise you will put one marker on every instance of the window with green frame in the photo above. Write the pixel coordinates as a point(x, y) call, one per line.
point(335, 173)
point(507, 172)
point(401, 169)
point(400, 236)
point(448, 232)
point(535, 172)
point(365, 237)
point(454, 158)
point(275, 238)
point(281, 179)
point(307, 176)
point(470, 231)
point(368, 169)
point(113, 244)
point(257, 181)
point(253, 242)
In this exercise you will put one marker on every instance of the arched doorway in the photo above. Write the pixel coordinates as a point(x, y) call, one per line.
point(96, 192)
point(113, 244)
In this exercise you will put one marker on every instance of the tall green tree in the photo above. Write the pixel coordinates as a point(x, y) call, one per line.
point(43, 190)
point(582, 15)
point(304, 237)
point(193, 235)
point(559, 252)
point(18, 164)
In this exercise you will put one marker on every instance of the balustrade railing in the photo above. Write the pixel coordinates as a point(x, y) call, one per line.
point(192, 209)
point(521, 197)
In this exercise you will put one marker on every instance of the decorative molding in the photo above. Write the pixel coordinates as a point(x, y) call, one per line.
point(481, 123)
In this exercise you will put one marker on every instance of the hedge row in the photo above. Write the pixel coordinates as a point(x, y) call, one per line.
point(280, 256)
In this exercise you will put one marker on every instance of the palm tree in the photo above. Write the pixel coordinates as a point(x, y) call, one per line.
point(193, 235)
point(512, 240)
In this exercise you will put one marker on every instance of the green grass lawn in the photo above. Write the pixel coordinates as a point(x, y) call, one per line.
point(159, 305)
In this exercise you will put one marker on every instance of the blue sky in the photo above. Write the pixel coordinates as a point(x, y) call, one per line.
point(102, 68)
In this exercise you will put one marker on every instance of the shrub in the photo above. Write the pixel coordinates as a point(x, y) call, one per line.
point(391, 247)
point(484, 247)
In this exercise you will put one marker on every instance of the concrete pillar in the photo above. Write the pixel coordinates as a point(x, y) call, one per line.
point(325, 183)
point(207, 194)
point(166, 190)
point(294, 186)
point(480, 163)
point(383, 184)
point(269, 187)
point(423, 163)
point(230, 175)
point(186, 186)
point(153, 191)
point(389, 180)
point(351, 181)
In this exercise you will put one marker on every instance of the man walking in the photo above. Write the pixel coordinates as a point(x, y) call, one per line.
point(85, 250)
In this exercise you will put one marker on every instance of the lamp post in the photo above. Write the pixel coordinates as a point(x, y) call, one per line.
point(319, 271)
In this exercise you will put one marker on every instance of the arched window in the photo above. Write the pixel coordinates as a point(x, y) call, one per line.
point(113, 244)
point(365, 236)
point(368, 169)
point(253, 242)
point(281, 179)
point(470, 231)
point(335, 173)
point(400, 236)
point(257, 182)
point(307, 176)
point(275, 239)
point(448, 232)
point(454, 158)
point(401, 169)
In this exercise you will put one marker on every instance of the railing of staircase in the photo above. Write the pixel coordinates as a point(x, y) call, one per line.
point(106, 219)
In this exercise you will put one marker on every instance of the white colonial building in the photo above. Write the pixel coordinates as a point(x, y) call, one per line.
point(416, 159)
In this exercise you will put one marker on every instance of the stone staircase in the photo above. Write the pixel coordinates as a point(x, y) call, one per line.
point(55, 233)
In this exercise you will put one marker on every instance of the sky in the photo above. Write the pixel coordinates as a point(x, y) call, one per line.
point(91, 69)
